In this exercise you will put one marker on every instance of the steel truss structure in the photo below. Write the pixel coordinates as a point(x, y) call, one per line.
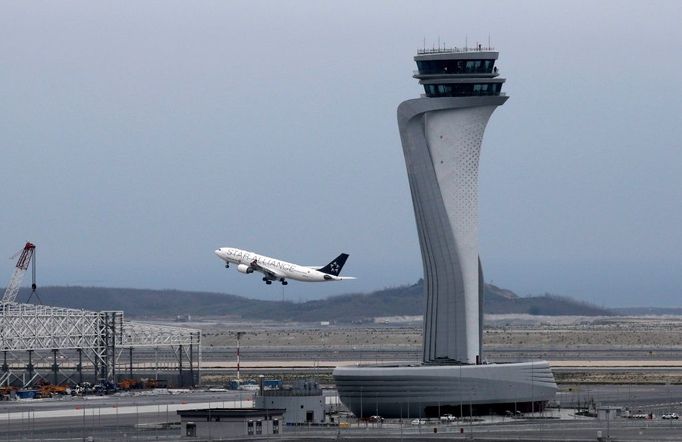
point(63, 345)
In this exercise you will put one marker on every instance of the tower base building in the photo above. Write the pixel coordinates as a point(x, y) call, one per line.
point(410, 391)
point(441, 133)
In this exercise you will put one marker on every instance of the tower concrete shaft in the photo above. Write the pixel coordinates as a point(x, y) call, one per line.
point(441, 134)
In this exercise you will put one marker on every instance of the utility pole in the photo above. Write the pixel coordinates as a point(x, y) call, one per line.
point(239, 335)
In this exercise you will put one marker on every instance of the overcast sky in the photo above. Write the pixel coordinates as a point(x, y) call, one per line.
point(137, 137)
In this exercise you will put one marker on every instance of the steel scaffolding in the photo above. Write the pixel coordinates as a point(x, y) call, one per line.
point(56, 345)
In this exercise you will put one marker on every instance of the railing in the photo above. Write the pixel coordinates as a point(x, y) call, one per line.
point(494, 73)
point(445, 50)
point(299, 393)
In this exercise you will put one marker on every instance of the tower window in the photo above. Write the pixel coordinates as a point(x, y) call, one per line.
point(434, 67)
point(461, 89)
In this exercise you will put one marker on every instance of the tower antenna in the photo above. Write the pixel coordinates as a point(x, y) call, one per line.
point(466, 42)
point(489, 47)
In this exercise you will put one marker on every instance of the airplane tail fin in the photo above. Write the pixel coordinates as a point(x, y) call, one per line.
point(334, 267)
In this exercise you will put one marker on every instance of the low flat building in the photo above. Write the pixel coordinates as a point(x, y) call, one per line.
point(303, 403)
point(609, 412)
point(210, 423)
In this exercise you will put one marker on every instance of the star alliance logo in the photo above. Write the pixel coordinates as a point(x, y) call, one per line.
point(334, 267)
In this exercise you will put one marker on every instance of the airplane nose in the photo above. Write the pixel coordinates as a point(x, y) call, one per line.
point(217, 252)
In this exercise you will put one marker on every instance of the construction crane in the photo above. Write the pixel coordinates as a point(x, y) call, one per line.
point(22, 265)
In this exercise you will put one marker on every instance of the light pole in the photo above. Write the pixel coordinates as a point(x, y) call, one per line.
point(670, 402)
point(360, 405)
point(239, 336)
point(401, 421)
point(460, 391)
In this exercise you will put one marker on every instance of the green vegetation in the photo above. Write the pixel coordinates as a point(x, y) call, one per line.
point(397, 301)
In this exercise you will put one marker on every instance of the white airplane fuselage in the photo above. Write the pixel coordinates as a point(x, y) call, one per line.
point(276, 269)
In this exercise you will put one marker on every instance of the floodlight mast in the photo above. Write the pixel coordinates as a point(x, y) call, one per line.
point(21, 267)
point(239, 335)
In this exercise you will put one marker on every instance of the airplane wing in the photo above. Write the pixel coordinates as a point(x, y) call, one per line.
point(268, 271)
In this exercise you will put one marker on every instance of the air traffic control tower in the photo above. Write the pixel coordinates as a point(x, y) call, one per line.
point(441, 134)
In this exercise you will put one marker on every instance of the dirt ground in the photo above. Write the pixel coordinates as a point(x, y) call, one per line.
point(523, 331)
point(624, 349)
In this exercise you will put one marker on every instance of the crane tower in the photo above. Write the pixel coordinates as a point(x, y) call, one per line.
point(21, 267)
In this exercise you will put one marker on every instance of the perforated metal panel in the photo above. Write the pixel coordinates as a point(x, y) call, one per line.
point(442, 143)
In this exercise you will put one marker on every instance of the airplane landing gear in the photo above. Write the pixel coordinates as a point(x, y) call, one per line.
point(268, 282)
point(284, 282)
point(227, 266)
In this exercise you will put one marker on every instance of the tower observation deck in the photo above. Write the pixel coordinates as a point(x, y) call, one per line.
point(441, 134)
point(458, 72)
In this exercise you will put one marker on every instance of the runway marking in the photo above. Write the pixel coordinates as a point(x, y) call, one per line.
point(332, 364)
point(112, 410)
point(615, 363)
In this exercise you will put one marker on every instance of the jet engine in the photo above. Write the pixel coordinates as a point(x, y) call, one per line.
point(244, 268)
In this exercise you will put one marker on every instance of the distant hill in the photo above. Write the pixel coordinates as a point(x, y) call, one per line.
point(500, 301)
point(396, 301)
point(656, 311)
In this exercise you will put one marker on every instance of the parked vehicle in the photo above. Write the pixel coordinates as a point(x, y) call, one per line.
point(82, 389)
point(26, 394)
point(640, 416)
point(670, 416)
point(48, 390)
point(418, 422)
point(448, 418)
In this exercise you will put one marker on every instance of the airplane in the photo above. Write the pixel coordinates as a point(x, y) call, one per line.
point(277, 270)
